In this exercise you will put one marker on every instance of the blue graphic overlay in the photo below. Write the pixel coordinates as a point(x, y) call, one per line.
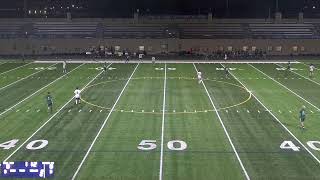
point(27, 169)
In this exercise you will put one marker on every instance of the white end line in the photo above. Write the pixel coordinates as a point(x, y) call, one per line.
point(8, 109)
point(104, 123)
point(225, 130)
point(50, 117)
point(278, 120)
point(1, 88)
point(163, 122)
point(16, 68)
point(284, 87)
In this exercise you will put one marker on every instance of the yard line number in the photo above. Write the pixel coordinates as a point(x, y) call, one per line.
point(289, 145)
point(174, 145)
point(33, 145)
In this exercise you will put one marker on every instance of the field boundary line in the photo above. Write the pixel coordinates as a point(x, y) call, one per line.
point(1, 88)
point(50, 117)
point(38, 91)
point(185, 61)
point(267, 109)
point(225, 129)
point(17, 68)
point(301, 76)
point(163, 121)
point(103, 125)
point(285, 87)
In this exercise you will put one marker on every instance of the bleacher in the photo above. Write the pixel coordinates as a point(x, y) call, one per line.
point(134, 31)
point(281, 31)
point(10, 30)
point(214, 31)
point(64, 30)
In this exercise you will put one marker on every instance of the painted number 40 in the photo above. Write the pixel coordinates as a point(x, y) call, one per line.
point(174, 145)
point(33, 145)
point(289, 145)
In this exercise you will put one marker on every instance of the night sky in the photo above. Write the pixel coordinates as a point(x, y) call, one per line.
point(125, 8)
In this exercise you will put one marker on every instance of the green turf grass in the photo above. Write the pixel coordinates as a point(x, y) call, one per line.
point(257, 136)
point(20, 73)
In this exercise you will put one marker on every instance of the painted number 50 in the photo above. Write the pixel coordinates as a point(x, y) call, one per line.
point(174, 145)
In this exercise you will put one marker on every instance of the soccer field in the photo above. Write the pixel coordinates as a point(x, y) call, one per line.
point(157, 122)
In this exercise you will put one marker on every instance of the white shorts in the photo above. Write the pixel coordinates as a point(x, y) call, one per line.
point(199, 77)
point(77, 97)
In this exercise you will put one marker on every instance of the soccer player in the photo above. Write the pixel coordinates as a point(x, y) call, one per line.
point(105, 68)
point(302, 116)
point(311, 70)
point(140, 56)
point(127, 59)
point(199, 73)
point(49, 102)
point(226, 70)
point(153, 60)
point(77, 95)
point(288, 69)
point(64, 67)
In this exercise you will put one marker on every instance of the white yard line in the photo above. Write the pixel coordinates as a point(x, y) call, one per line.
point(104, 123)
point(1, 88)
point(225, 130)
point(37, 91)
point(277, 120)
point(51, 116)
point(163, 121)
point(17, 68)
point(302, 76)
point(147, 61)
point(285, 87)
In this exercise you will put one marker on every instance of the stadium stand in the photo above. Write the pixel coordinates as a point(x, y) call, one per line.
point(64, 29)
point(134, 31)
point(10, 30)
point(211, 31)
point(282, 31)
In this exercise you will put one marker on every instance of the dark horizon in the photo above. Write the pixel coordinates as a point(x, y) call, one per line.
point(125, 8)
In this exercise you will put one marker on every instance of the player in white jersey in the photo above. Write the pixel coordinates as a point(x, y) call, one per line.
point(64, 67)
point(311, 70)
point(153, 60)
point(77, 95)
point(199, 73)
point(225, 57)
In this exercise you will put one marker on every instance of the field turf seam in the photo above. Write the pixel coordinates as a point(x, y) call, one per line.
point(163, 122)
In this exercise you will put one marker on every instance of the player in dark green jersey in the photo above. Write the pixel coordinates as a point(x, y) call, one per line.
point(302, 116)
point(105, 68)
point(49, 102)
point(226, 71)
point(288, 69)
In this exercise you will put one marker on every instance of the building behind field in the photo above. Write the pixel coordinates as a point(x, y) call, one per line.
point(182, 34)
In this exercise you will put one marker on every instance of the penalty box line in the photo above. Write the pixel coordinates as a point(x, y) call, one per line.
point(225, 130)
point(103, 125)
point(267, 109)
point(38, 91)
point(51, 116)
